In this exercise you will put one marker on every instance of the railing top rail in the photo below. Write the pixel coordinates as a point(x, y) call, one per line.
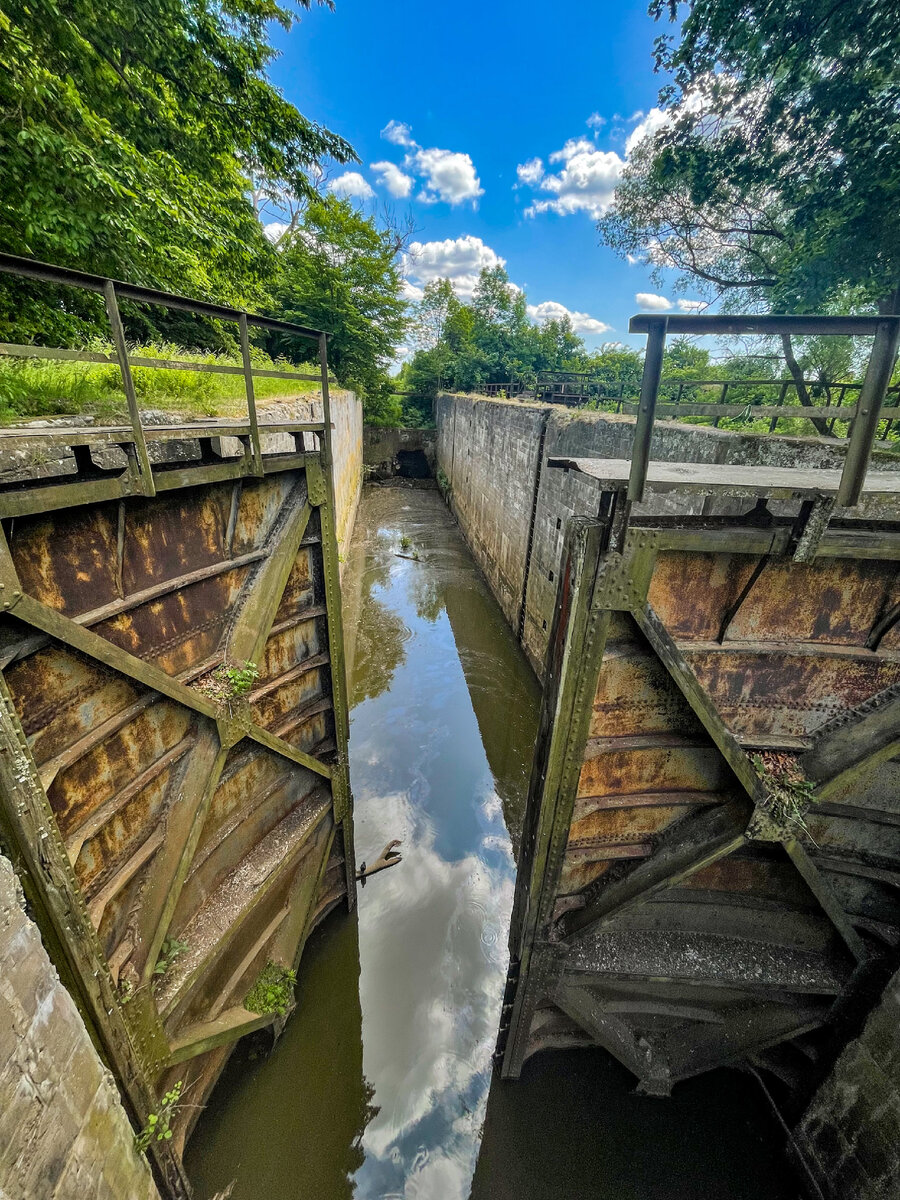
point(723, 323)
point(885, 331)
point(12, 264)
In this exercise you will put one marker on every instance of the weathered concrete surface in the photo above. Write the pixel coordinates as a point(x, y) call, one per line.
point(383, 447)
point(850, 1134)
point(347, 446)
point(494, 453)
point(63, 1130)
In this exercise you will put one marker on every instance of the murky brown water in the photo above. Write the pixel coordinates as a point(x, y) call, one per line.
point(380, 1085)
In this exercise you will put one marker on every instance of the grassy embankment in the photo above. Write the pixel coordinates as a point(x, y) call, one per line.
point(35, 388)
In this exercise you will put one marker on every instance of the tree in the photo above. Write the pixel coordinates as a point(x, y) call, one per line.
point(127, 135)
point(338, 272)
point(775, 170)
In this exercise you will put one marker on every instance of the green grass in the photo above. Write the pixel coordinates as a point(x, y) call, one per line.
point(32, 388)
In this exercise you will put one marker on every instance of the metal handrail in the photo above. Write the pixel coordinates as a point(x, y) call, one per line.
point(114, 290)
point(884, 329)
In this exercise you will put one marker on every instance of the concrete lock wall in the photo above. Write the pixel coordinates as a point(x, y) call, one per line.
point(347, 446)
point(850, 1134)
point(382, 447)
point(63, 1130)
point(513, 510)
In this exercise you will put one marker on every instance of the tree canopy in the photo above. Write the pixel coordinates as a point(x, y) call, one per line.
point(338, 270)
point(490, 339)
point(127, 132)
point(774, 176)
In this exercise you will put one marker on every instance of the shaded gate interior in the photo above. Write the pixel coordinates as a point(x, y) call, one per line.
point(711, 859)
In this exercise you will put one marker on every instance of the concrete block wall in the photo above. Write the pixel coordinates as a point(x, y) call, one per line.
point(382, 444)
point(347, 447)
point(63, 1131)
point(490, 452)
point(850, 1134)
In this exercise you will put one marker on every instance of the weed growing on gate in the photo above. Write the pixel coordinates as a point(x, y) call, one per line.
point(229, 685)
point(159, 1125)
point(169, 951)
point(272, 991)
point(789, 793)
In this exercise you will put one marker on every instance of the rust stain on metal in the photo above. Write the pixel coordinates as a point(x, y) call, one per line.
point(117, 759)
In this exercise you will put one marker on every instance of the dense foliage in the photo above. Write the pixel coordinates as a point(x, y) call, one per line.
point(126, 134)
point(339, 271)
point(488, 340)
point(775, 175)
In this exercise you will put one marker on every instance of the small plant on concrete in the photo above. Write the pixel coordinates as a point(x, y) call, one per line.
point(159, 1124)
point(788, 793)
point(443, 482)
point(272, 991)
point(169, 951)
point(405, 542)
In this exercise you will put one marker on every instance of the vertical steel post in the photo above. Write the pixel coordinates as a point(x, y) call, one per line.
point(255, 446)
point(643, 430)
point(868, 411)
point(118, 336)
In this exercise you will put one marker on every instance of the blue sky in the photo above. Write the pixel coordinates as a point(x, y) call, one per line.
point(460, 101)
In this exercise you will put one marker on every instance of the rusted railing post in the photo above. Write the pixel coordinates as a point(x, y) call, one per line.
point(118, 336)
point(255, 446)
point(643, 430)
point(868, 411)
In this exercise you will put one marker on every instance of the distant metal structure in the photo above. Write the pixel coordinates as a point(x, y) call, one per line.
point(174, 786)
point(684, 398)
point(512, 389)
point(574, 388)
point(710, 864)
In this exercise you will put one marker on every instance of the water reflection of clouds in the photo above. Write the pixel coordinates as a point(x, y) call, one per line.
point(432, 932)
point(432, 975)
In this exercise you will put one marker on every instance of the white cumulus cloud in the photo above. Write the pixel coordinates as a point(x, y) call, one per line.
point(595, 121)
point(458, 259)
point(585, 183)
point(447, 175)
point(351, 185)
point(391, 177)
point(399, 133)
point(274, 230)
point(531, 172)
point(410, 292)
point(655, 119)
point(651, 303)
point(552, 310)
point(691, 306)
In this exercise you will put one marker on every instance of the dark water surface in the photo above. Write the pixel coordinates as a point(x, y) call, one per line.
point(381, 1084)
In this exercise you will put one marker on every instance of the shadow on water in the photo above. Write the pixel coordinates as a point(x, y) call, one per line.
point(379, 1086)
